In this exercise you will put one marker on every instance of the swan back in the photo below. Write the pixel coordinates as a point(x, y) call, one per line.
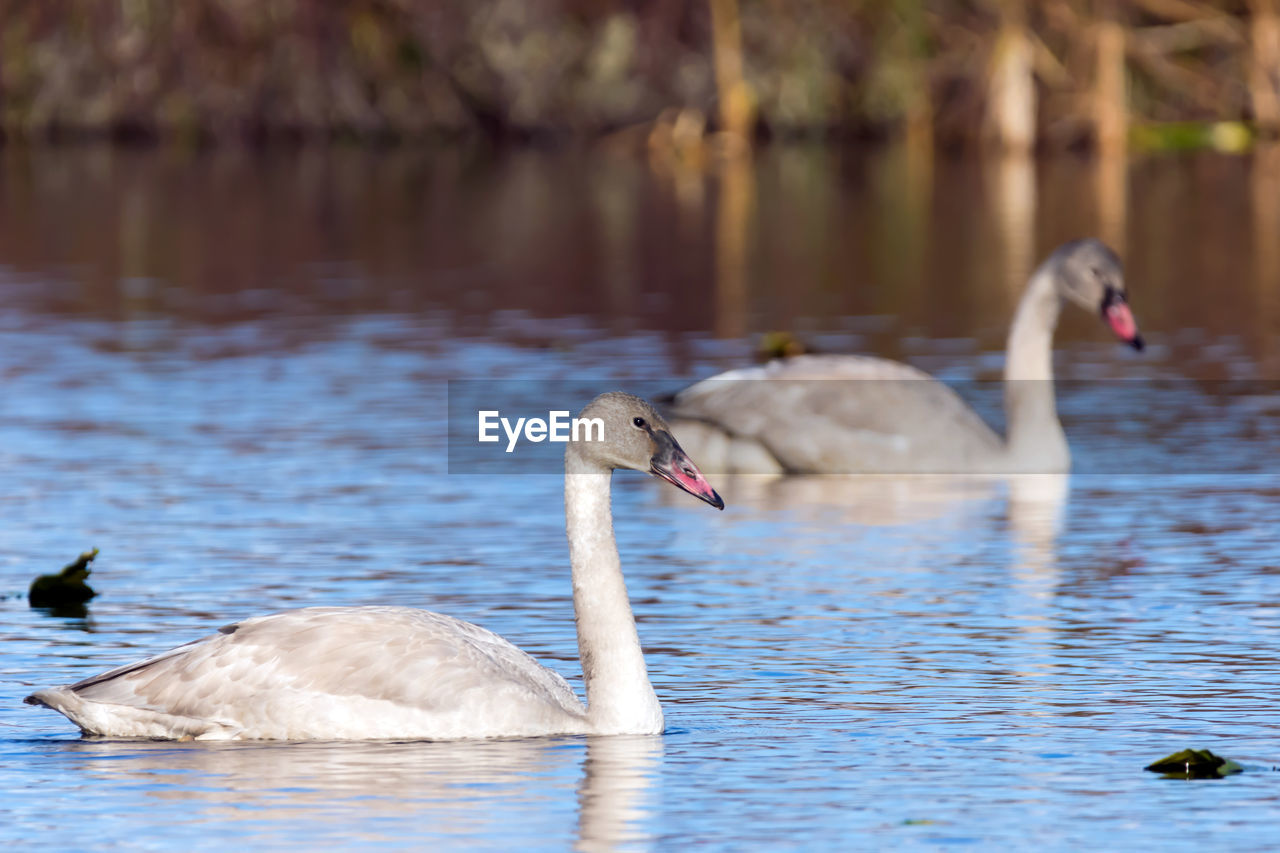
point(331, 673)
point(843, 414)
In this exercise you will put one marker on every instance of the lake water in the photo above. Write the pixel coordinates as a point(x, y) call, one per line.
point(229, 373)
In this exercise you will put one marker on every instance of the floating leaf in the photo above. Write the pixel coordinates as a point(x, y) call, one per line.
point(1194, 764)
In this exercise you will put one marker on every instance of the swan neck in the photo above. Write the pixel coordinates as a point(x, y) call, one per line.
point(1035, 439)
point(620, 699)
point(1029, 352)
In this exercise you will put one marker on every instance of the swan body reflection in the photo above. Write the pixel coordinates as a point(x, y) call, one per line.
point(492, 792)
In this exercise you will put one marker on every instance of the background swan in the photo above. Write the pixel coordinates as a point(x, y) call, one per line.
point(890, 417)
point(339, 673)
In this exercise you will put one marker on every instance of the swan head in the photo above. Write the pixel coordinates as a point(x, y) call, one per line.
point(1089, 274)
point(635, 436)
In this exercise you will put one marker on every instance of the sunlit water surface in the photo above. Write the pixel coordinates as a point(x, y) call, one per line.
point(865, 662)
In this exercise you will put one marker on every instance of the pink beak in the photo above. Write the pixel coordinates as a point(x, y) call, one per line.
point(1120, 318)
point(672, 464)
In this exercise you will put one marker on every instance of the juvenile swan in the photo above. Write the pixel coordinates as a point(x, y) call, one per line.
point(889, 417)
point(360, 673)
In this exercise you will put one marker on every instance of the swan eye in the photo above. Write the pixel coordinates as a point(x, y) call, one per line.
point(639, 423)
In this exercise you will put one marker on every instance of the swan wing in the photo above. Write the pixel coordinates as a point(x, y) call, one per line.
point(844, 414)
point(330, 673)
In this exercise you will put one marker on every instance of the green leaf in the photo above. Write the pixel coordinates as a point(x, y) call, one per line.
point(1194, 764)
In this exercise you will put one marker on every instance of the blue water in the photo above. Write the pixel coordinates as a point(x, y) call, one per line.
point(843, 662)
point(839, 661)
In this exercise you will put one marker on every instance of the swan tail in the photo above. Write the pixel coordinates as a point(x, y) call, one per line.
point(105, 719)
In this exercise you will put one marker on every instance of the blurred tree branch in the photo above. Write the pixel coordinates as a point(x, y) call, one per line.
point(1020, 70)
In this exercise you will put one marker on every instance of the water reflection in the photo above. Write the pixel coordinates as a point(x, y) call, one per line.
point(805, 239)
point(1013, 182)
point(1037, 514)
point(616, 794)
point(1037, 511)
point(1111, 188)
point(1266, 246)
point(228, 371)
point(1034, 505)
point(72, 614)
point(874, 499)
point(733, 224)
point(466, 789)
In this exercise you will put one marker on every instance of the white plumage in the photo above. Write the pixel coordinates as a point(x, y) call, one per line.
point(843, 414)
point(806, 415)
point(335, 673)
point(344, 673)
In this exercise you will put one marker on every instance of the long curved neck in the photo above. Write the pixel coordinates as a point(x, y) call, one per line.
point(620, 699)
point(1035, 440)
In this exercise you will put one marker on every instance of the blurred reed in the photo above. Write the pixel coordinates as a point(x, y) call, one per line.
point(1022, 73)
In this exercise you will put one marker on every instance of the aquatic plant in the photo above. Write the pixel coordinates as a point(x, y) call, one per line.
point(1194, 764)
point(67, 588)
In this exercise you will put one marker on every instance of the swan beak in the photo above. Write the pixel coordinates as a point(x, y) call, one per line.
point(672, 464)
point(1118, 316)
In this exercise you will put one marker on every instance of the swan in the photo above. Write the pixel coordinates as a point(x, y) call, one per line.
point(907, 421)
point(365, 673)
